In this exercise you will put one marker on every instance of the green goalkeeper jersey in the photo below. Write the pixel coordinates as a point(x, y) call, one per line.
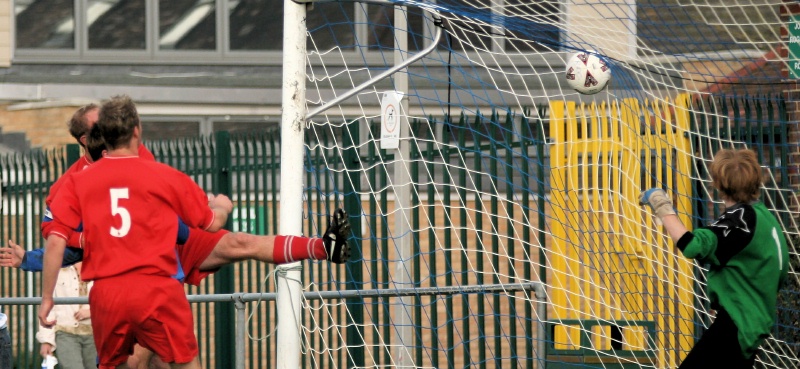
point(748, 261)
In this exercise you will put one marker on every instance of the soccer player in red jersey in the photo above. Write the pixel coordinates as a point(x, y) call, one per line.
point(204, 252)
point(200, 253)
point(166, 189)
point(127, 206)
point(79, 125)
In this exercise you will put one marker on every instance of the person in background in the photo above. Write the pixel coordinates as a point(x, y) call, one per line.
point(71, 340)
point(6, 361)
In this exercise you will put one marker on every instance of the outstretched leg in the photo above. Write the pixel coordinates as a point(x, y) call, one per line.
point(233, 247)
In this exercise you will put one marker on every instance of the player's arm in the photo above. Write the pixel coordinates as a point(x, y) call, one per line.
point(662, 208)
point(74, 237)
point(674, 227)
point(183, 232)
point(193, 205)
point(15, 256)
point(54, 253)
point(720, 241)
point(47, 339)
point(222, 206)
point(66, 211)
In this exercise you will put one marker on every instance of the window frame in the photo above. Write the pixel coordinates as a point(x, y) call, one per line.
point(222, 55)
point(151, 53)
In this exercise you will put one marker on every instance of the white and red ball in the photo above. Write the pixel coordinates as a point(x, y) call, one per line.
point(587, 73)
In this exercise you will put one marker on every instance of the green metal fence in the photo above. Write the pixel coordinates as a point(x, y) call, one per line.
point(246, 168)
point(500, 155)
point(26, 179)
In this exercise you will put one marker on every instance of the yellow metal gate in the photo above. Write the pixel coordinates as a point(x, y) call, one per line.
point(621, 294)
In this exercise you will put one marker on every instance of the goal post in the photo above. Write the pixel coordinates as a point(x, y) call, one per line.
point(293, 89)
point(506, 176)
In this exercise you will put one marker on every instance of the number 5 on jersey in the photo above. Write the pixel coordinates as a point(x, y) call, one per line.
point(116, 209)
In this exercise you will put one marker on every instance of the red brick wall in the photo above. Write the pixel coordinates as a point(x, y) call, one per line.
point(792, 93)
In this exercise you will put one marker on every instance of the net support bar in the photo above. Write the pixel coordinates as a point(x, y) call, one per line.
point(350, 93)
point(239, 300)
point(537, 287)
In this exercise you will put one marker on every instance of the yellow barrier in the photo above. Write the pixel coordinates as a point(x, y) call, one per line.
point(609, 260)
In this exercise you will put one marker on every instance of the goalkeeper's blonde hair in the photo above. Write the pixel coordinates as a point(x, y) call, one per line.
point(737, 174)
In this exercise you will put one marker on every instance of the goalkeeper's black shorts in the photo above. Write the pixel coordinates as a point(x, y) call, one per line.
point(719, 347)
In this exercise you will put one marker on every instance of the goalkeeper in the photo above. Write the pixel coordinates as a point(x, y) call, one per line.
point(747, 256)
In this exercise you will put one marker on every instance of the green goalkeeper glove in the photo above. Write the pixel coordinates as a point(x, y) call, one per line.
point(658, 201)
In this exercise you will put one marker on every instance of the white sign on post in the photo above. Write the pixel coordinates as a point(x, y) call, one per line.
point(391, 118)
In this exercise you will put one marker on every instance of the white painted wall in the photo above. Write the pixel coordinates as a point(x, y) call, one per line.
point(608, 26)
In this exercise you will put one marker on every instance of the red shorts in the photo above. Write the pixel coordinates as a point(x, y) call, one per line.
point(197, 248)
point(145, 309)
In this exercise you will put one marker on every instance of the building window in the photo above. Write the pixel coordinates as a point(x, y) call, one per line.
point(330, 25)
point(486, 30)
point(45, 24)
point(187, 25)
point(243, 125)
point(147, 30)
point(116, 24)
point(255, 25)
point(164, 128)
point(238, 31)
point(380, 20)
point(543, 35)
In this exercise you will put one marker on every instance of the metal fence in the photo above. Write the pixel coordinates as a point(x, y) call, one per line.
point(247, 168)
point(240, 300)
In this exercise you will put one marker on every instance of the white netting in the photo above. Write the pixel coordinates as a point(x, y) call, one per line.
point(503, 178)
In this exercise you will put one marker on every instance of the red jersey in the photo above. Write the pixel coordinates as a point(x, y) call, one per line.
point(82, 164)
point(128, 207)
point(79, 165)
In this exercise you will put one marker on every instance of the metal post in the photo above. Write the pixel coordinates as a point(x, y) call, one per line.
point(402, 273)
point(541, 334)
point(223, 279)
point(354, 272)
point(293, 101)
point(241, 333)
point(73, 154)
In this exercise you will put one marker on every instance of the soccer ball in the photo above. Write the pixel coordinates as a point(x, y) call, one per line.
point(586, 73)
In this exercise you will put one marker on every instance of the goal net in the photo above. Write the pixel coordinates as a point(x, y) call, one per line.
point(495, 208)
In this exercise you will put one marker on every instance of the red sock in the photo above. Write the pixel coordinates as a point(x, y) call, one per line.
point(295, 248)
